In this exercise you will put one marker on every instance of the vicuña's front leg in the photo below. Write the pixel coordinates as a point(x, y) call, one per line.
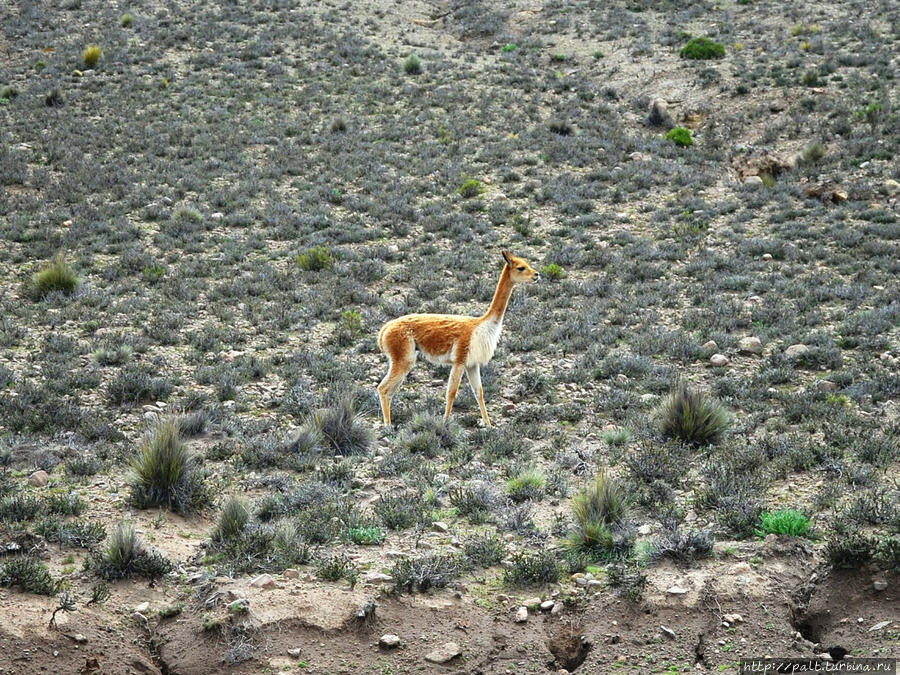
point(452, 388)
point(474, 375)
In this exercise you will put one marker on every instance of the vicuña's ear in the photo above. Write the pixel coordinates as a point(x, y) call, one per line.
point(507, 258)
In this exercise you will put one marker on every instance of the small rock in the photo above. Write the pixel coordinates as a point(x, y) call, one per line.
point(644, 530)
point(142, 608)
point(502, 597)
point(668, 632)
point(446, 652)
point(39, 478)
point(622, 378)
point(547, 605)
point(379, 576)
point(718, 360)
point(295, 652)
point(770, 538)
point(753, 181)
point(891, 187)
point(826, 386)
point(79, 638)
point(522, 615)
point(291, 573)
point(750, 345)
point(532, 603)
point(766, 256)
point(659, 113)
point(68, 223)
point(594, 583)
point(709, 346)
point(440, 527)
point(389, 641)
point(796, 351)
point(676, 590)
point(733, 618)
point(263, 581)
point(557, 609)
point(879, 584)
point(880, 625)
point(649, 398)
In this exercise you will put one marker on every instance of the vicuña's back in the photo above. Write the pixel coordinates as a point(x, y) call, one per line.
point(462, 342)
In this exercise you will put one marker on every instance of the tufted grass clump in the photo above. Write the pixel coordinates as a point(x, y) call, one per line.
point(600, 509)
point(692, 417)
point(412, 65)
point(702, 48)
point(783, 521)
point(165, 472)
point(91, 56)
point(471, 187)
point(233, 520)
point(315, 259)
point(553, 272)
point(429, 435)
point(55, 276)
point(126, 20)
point(126, 556)
point(680, 136)
point(527, 485)
point(342, 426)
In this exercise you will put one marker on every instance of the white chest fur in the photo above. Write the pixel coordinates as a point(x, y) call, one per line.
point(484, 342)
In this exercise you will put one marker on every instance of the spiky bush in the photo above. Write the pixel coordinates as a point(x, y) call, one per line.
point(342, 427)
point(165, 472)
point(126, 556)
point(528, 484)
point(91, 56)
point(29, 574)
point(475, 500)
point(485, 550)
point(232, 520)
point(597, 508)
point(682, 545)
point(337, 566)
point(532, 567)
point(783, 521)
point(702, 48)
point(401, 510)
point(429, 435)
point(422, 572)
point(55, 276)
point(692, 417)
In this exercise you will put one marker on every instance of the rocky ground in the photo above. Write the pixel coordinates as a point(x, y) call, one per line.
point(243, 193)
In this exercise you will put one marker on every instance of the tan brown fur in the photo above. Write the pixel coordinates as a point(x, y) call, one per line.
point(462, 342)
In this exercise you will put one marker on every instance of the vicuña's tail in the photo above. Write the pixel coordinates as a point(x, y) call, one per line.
point(381, 337)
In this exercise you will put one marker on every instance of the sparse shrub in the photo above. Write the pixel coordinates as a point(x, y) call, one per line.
point(431, 570)
point(401, 510)
point(532, 567)
point(315, 259)
point(681, 545)
point(55, 276)
point(337, 566)
point(126, 20)
point(113, 355)
point(80, 533)
point(165, 472)
point(692, 417)
point(783, 521)
point(526, 485)
point(342, 426)
point(680, 136)
point(471, 187)
point(412, 65)
point(813, 153)
point(429, 435)
point(485, 550)
point(560, 127)
point(617, 437)
point(8, 93)
point(91, 56)
point(702, 48)
point(553, 272)
point(19, 508)
point(475, 500)
point(136, 384)
point(848, 547)
point(125, 556)
point(83, 466)
point(232, 520)
point(627, 579)
point(366, 535)
point(508, 47)
point(29, 574)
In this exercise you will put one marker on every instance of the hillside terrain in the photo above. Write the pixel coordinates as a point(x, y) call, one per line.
point(209, 209)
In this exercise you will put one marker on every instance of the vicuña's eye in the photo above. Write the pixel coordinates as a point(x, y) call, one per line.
point(521, 269)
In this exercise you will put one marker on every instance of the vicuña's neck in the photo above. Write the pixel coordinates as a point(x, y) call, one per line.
point(501, 297)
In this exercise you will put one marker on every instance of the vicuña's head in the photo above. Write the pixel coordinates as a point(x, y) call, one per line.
point(520, 272)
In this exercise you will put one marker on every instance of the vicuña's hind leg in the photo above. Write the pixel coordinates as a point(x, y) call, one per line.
point(391, 383)
point(452, 388)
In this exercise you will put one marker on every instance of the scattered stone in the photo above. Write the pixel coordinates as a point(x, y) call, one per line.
point(753, 181)
point(733, 618)
point(547, 605)
point(676, 590)
point(826, 386)
point(594, 583)
point(522, 615)
point(39, 478)
point(879, 584)
point(446, 652)
point(295, 652)
point(649, 398)
point(622, 378)
point(440, 527)
point(557, 609)
point(659, 113)
point(668, 632)
point(263, 581)
point(379, 576)
point(531, 603)
point(79, 638)
point(891, 187)
point(879, 626)
point(796, 351)
point(718, 360)
point(644, 530)
point(766, 256)
point(709, 346)
point(750, 345)
point(142, 607)
point(502, 597)
point(291, 573)
point(389, 641)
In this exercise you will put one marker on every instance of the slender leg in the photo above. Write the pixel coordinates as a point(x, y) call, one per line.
point(453, 387)
point(474, 376)
point(397, 372)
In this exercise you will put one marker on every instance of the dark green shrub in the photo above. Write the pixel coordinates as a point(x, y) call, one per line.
point(471, 187)
point(627, 579)
point(315, 259)
point(702, 48)
point(80, 533)
point(485, 550)
point(475, 500)
point(553, 272)
point(136, 384)
point(692, 417)
point(848, 547)
point(165, 472)
point(680, 136)
point(412, 65)
point(125, 556)
point(29, 574)
point(337, 566)
point(429, 435)
point(55, 276)
point(401, 510)
point(682, 545)
point(532, 567)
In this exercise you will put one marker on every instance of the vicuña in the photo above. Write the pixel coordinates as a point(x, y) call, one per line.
point(462, 342)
